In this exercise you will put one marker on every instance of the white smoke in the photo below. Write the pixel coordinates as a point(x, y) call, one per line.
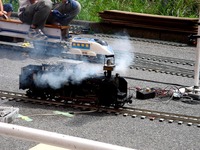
point(86, 70)
point(124, 55)
point(57, 78)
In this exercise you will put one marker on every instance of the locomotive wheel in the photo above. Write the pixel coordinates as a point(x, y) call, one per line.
point(119, 105)
point(29, 93)
point(36, 94)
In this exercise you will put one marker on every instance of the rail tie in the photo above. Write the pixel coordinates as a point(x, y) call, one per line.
point(125, 111)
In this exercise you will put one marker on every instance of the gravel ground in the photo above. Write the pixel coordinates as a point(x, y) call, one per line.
point(129, 132)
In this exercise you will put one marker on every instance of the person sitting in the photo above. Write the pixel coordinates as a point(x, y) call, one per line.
point(35, 13)
point(64, 12)
point(41, 12)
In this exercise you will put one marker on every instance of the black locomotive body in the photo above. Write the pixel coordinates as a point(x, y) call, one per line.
point(106, 90)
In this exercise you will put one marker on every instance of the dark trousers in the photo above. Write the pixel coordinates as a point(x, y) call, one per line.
point(36, 14)
point(70, 11)
point(8, 7)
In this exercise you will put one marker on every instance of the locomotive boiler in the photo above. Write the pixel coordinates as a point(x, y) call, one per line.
point(61, 82)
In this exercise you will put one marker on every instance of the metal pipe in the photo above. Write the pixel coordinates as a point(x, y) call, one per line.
point(197, 64)
point(55, 139)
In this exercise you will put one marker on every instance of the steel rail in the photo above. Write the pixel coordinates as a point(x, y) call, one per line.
point(125, 111)
point(161, 116)
point(164, 59)
point(161, 68)
point(21, 97)
point(145, 62)
point(157, 58)
point(125, 37)
point(161, 64)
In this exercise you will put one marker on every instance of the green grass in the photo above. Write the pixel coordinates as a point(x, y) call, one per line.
point(178, 8)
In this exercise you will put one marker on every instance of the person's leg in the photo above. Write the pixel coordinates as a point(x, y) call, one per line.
point(68, 11)
point(42, 12)
point(36, 14)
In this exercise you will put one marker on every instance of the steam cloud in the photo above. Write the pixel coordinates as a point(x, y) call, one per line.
point(57, 78)
point(124, 56)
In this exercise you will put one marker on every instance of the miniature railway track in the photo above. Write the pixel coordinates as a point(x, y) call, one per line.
point(20, 97)
point(161, 64)
point(171, 60)
point(158, 64)
point(145, 62)
point(112, 36)
point(162, 68)
point(125, 111)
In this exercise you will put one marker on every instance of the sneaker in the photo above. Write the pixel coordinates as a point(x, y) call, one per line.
point(37, 34)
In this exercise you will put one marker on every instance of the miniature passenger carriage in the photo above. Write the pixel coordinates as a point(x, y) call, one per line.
point(57, 44)
point(89, 47)
point(106, 90)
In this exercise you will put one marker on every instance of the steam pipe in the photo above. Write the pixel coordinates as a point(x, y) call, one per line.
point(55, 139)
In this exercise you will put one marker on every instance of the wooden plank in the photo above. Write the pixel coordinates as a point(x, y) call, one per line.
point(138, 25)
point(153, 22)
point(47, 25)
point(132, 14)
point(18, 29)
point(148, 21)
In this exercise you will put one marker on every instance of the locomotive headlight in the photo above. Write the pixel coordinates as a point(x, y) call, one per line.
point(109, 63)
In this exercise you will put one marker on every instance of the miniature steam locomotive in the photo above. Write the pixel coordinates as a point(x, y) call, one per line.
point(60, 82)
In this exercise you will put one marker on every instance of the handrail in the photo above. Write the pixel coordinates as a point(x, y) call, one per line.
point(55, 139)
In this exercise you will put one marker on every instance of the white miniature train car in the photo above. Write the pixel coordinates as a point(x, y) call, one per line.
point(15, 28)
point(77, 46)
point(89, 47)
